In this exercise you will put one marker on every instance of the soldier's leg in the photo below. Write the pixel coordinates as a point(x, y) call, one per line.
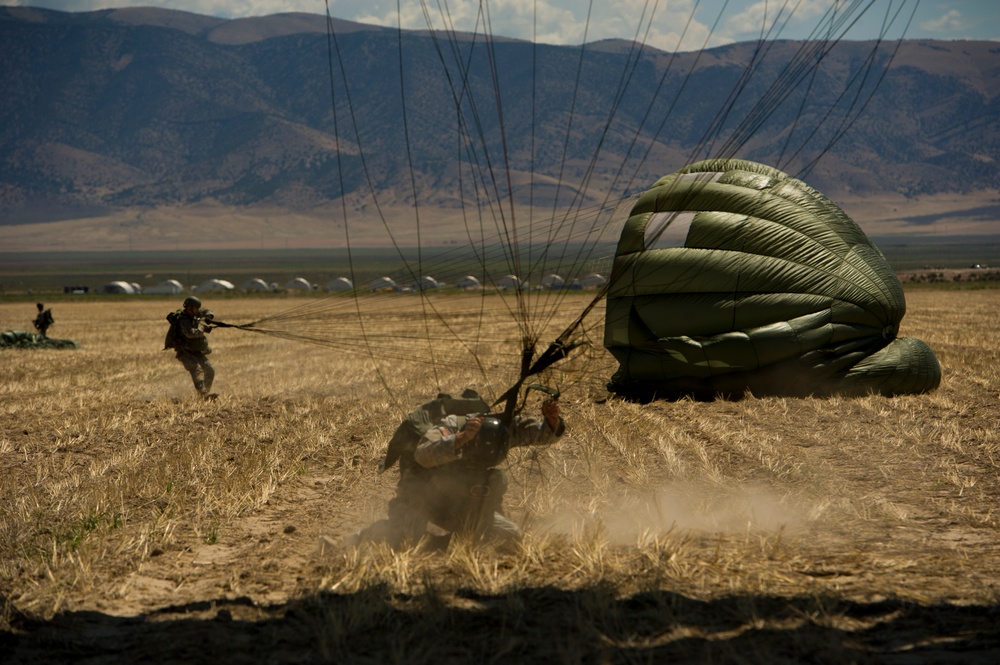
point(492, 524)
point(191, 364)
point(503, 531)
point(406, 525)
point(209, 373)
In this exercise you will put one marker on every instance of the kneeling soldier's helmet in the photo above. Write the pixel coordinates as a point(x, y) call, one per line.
point(191, 301)
point(491, 444)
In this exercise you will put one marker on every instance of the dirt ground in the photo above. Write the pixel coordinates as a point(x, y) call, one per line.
point(786, 530)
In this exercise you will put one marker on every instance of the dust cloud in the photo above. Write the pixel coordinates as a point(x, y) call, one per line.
point(685, 508)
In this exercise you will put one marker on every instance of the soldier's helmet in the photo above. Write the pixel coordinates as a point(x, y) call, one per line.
point(191, 301)
point(491, 444)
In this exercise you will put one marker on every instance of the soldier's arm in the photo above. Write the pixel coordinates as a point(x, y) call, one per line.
point(540, 431)
point(443, 443)
point(438, 445)
point(188, 328)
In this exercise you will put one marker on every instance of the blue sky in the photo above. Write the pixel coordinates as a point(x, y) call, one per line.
point(715, 22)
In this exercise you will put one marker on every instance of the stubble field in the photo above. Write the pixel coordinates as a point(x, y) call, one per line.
point(139, 524)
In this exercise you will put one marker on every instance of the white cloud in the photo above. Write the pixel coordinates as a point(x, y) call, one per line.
point(714, 22)
point(951, 21)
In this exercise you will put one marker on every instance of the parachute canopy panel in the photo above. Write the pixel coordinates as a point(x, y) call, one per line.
point(731, 276)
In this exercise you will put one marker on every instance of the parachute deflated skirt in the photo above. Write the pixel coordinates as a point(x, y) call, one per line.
point(731, 276)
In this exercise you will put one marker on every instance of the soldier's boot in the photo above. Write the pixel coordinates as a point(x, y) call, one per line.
point(209, 379)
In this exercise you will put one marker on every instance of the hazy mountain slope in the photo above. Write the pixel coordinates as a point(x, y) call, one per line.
point(153, 107)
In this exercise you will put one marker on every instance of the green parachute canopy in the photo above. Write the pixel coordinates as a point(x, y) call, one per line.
point(732, 276)
point(22, 339)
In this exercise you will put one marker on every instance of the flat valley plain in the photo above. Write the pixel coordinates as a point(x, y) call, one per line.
point(139, 524)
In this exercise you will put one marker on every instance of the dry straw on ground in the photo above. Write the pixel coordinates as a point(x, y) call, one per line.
point(137, 521)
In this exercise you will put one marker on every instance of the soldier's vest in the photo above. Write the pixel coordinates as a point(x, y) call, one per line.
point(175, 340)
point(173, 337)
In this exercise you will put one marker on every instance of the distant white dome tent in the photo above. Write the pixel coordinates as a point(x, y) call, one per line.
point(426, 283)
point(339, 284)
point(168, 287)
point(256, 284)
point(553, 281)
point(210, 285)
point(593, 281)
point(381, 284)
point(509, 282)
point(136, 287)
point(119, 288)
point(298, 284)
point(468, 282)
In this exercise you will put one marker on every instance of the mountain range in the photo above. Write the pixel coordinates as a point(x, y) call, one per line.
point(140, 109)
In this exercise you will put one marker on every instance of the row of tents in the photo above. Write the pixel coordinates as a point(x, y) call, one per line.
point(380, 284)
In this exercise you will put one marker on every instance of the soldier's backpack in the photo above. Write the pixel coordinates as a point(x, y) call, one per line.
point(47, 319)
point(173, 338)
point(407, 435)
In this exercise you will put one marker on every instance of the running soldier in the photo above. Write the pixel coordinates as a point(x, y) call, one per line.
point(187, 336)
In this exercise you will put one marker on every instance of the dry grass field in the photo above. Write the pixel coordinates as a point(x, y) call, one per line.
point(139, 524)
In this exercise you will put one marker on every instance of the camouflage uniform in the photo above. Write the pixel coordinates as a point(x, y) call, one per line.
point(440, 493)
point(192, 349)
point(43, 320)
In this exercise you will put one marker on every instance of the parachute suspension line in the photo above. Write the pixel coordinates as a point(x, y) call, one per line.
point(809, 55)
point(418, 280)
point(666, 116)
point(385, 224)
point(787, 80)
point(563, 340)
point(798, 115)
point(512, 230)
point(881, 287)
point(458, 96)
point(705, 147)
point(781, 162)
point(777, 91)
point(473, 159)
point(569, 128)
point(395, 245)
point(331, 41)
point(569, 123)
point(473, 244)
point(645, 119)
point(769, 33)
point(503, 229)
point(847, 124)
point(570, 219)
point(649, 107)
point(575, 208)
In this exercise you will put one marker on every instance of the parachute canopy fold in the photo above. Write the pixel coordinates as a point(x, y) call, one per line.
point(731, 276)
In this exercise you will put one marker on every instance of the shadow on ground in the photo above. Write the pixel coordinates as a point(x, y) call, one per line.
point(544, 625)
